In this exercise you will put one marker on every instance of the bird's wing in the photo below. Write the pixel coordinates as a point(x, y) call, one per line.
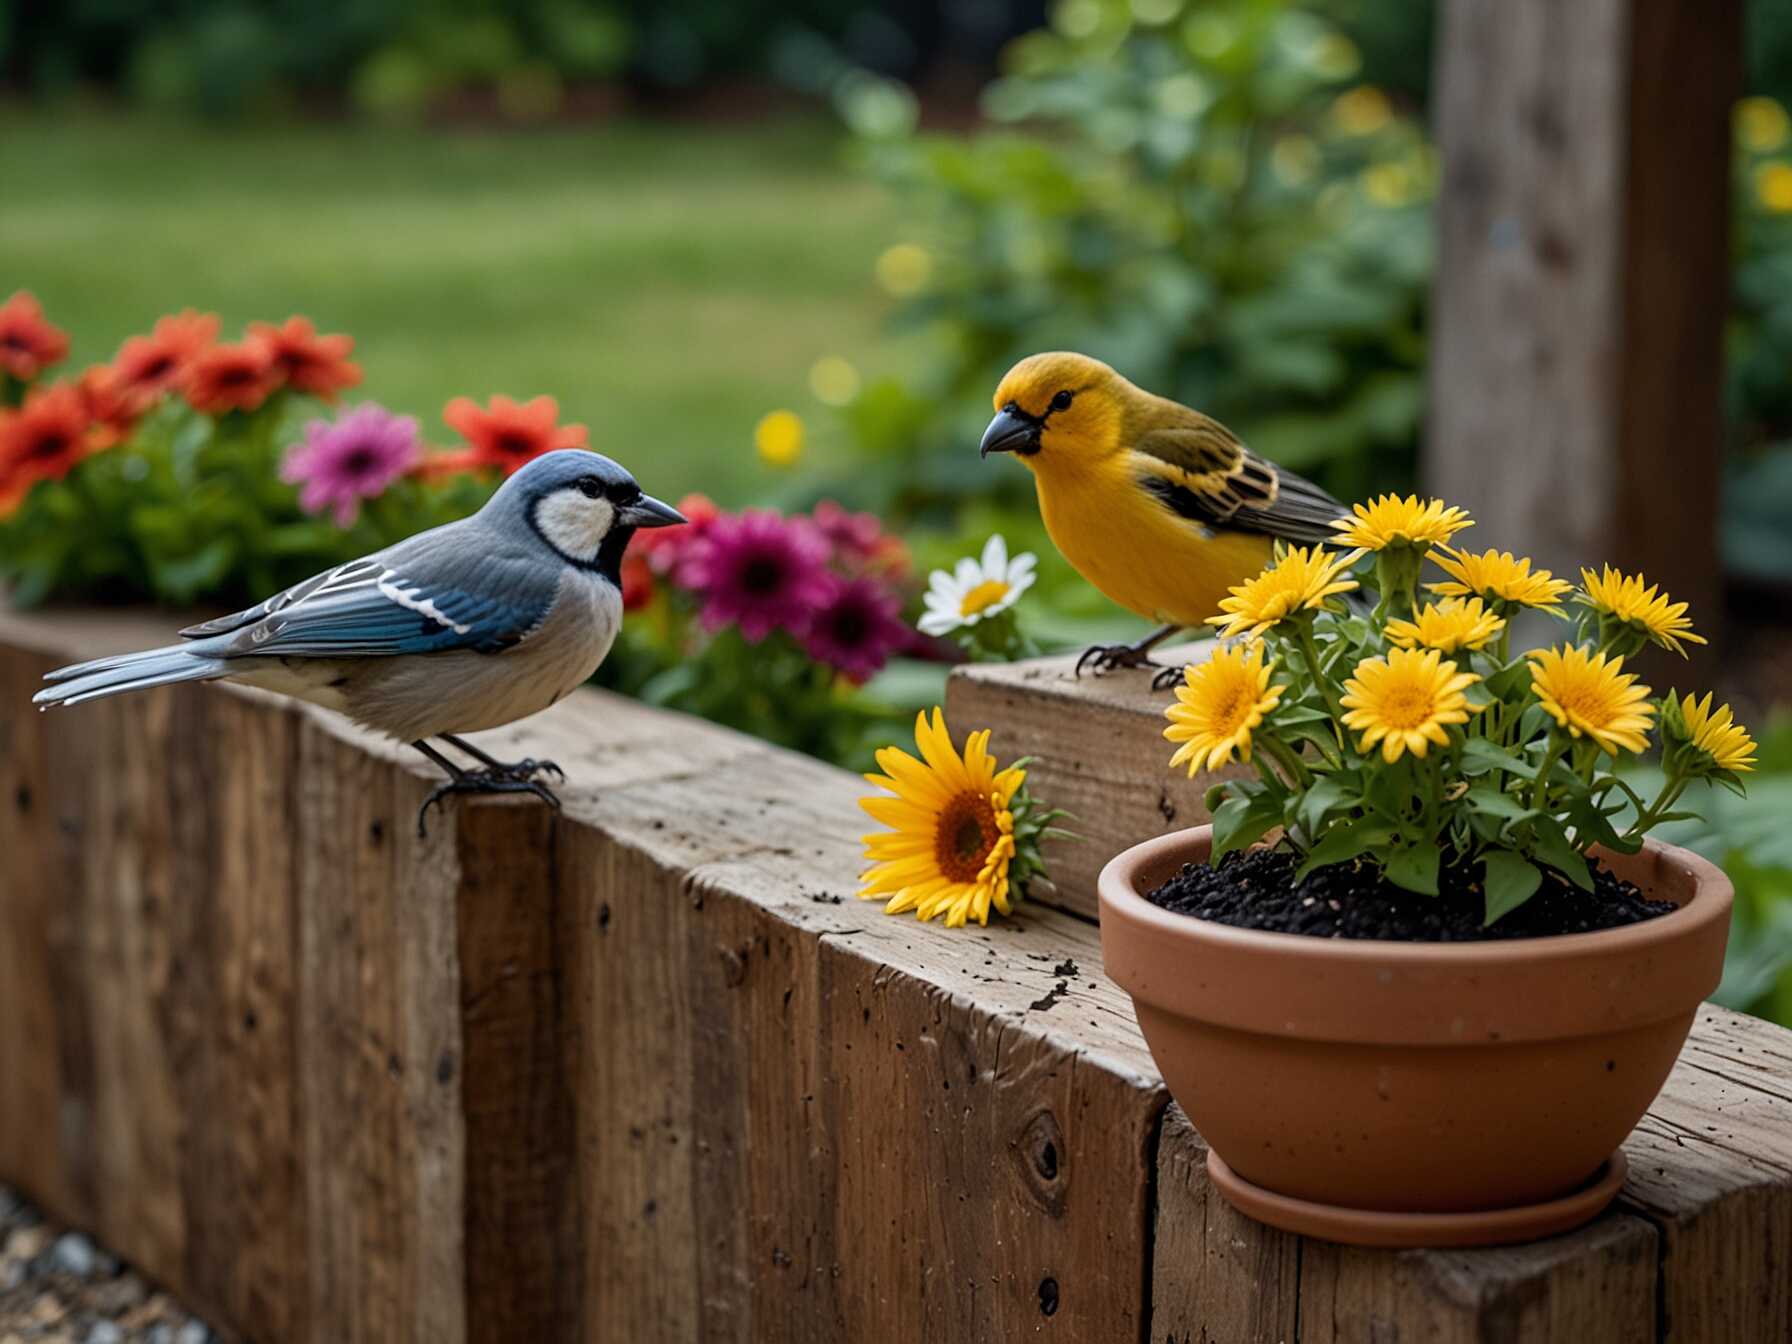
point(1200, 470)
point(427, 595)
point(354, 573)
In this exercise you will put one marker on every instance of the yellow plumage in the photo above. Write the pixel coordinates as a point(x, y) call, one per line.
point(1157, 505)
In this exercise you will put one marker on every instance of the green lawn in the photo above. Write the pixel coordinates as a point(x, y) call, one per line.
point(669, 284)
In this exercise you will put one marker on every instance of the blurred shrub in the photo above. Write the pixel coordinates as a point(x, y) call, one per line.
point(1758, 492)
point(1199, 195)
point(1747, 837)
point(228, 58)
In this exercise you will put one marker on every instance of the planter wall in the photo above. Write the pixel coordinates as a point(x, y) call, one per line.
point(648, 1072)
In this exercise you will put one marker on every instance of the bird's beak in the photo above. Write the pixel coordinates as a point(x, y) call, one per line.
point(649, 512)
point(1012, 431)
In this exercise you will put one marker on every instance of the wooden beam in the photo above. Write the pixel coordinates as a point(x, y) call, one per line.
point(648, 1071)
point(1582, 284)
point(1098, 751)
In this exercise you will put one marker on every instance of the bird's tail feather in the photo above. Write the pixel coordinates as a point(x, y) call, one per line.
point(127, 672)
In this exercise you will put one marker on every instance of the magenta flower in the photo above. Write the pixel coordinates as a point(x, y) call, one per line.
point(856, 628)
point(341, 464)
point(760, 571)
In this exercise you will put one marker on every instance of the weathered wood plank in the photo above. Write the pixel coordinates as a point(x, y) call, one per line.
point(1221, 1278)
point(648, 1071)
point(778, 1113)
point(1711, 1165)
point(1576, 351)
point(1092, 740)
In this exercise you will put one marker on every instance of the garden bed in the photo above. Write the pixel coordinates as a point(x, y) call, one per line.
point(648, 1070)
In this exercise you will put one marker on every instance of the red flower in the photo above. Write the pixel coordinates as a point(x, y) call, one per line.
point(506, 435)
point(311, 363)
point(28, 344)
point(440, 466)
point(231, 377)
point(44, 438)
point(667, 549)
point(113, 407)
point(148, 366)
point(637, 582)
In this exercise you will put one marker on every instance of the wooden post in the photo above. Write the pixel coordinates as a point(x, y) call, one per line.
point(1578, 310)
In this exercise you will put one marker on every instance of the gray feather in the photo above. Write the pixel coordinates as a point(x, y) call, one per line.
point(131, 672)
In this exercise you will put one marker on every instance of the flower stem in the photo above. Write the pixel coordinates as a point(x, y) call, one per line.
point(1310, 648)
point(1292, 766)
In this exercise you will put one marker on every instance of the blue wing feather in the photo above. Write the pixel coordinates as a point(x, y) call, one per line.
point(391, 617)
point(456, 587)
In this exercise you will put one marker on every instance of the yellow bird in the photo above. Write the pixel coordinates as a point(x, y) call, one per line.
point(1158, 506)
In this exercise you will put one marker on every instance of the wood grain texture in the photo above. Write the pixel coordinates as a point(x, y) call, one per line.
point(1098, 751)
point(647, 1071)
point(1581, 287)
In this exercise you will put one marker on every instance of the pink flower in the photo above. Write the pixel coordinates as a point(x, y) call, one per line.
point(668, 550)
point(856, 628)
point(859, 542)
point(356, 458)
point(760, 571)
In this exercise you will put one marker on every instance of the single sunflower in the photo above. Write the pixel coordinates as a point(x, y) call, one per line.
point(951, 839)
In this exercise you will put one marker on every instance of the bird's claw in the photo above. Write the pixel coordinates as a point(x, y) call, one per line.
point(526, 769)
point(1111, 657)
point(518, 778)
point(1168, 676)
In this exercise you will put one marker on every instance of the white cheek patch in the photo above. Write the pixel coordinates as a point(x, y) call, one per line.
point(574, 525)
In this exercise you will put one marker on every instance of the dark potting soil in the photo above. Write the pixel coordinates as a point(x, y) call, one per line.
point(1255, 889)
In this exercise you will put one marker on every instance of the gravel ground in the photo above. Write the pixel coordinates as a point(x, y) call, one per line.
point(57, 1287)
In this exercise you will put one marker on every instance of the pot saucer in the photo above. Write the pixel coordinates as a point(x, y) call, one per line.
point(1371, 1227)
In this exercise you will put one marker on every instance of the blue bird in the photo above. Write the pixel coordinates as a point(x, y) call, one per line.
point(461, 628)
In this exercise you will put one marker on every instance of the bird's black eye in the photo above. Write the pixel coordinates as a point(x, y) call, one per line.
point(1061, 402)
point(590, 487)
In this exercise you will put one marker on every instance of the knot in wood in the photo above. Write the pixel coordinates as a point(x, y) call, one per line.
point(1040, 1158)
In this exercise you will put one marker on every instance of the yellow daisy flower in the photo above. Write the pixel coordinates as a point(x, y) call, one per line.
point(1217, 706)
point(1405, 700)
point(1725, 742)
point(1393, 521)
point(1497, 577)
point(1300, 581)
point(952, 828)
point(1592, 696)
point(1625, 598)
point(1452, 624)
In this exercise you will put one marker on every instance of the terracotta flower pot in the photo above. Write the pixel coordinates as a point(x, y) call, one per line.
point(1391, 1093)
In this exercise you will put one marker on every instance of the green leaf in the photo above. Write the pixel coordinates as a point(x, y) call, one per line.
point(1549, 842)
point(1479, 756)
point(1415, 868)
point(1510, 680)
point(1328, 791)
point(1342, 842)
point(1496, 803)
point(1509, 881)
point(1240, 822)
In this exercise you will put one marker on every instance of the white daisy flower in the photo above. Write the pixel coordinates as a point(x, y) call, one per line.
point(976, 589)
